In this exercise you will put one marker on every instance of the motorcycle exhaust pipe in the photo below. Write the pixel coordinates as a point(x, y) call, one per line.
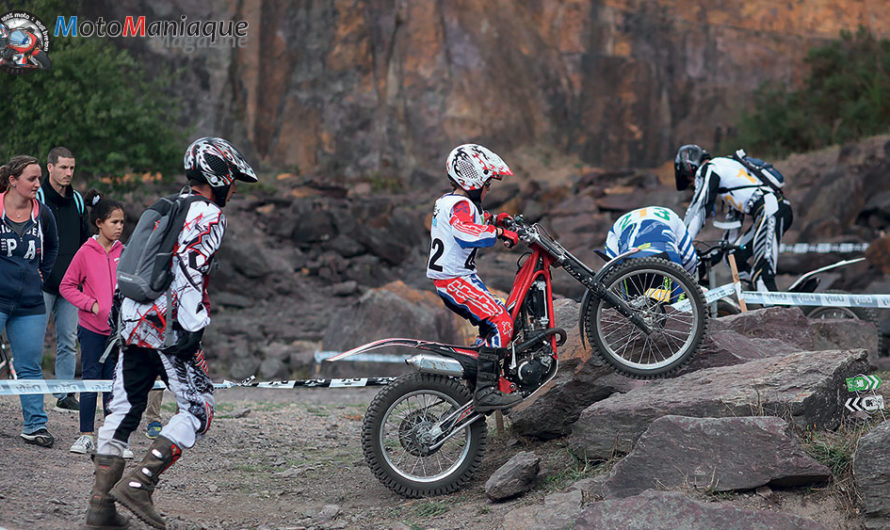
point(436, 364)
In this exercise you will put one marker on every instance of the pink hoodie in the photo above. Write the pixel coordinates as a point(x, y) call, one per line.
point(96, 271)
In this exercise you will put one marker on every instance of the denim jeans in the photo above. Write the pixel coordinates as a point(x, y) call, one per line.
point(25, 335)
point(66, 334)
point(92, 346)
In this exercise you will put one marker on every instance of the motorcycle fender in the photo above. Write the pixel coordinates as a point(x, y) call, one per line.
point(383, 343)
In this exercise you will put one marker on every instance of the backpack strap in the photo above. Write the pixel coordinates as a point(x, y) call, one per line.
point(78, 201)
point(40, 196)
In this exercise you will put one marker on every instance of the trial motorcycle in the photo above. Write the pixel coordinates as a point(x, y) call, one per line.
point(645, 317)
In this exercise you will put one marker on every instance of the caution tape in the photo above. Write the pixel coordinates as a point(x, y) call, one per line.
point(20, 387)
point(822, 248)
point(818, 299)
point(794, 299)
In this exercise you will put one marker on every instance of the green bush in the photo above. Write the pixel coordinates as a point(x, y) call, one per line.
point(846, 96)
point(97, 100)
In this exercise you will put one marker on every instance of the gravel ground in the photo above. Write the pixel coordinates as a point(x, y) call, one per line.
point(272, 459)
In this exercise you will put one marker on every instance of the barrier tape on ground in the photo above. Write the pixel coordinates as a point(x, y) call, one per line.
point(795, 299)
point(822, 248)
point(818, 299)
point(321, 356)
point(60, 386)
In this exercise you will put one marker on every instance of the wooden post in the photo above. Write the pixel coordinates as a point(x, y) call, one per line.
point(737, 282)
point(499, 422)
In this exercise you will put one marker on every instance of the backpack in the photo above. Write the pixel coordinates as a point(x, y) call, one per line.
point(145, 269)
point(78, 199)
point(764, 171)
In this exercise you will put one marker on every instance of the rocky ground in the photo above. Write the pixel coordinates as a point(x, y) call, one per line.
point(292, 459)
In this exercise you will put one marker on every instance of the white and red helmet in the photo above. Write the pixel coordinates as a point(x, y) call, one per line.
point(471, 166)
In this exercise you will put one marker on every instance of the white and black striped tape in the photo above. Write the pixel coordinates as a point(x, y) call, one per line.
point(822, 248)
point(795, 299)
point(15, 387)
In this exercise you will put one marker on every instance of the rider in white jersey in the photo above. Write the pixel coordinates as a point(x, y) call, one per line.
point(655, 230)
point(744, 194)
point(459, 228)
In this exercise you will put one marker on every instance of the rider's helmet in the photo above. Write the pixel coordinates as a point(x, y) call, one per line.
point(689, 158)
point(471, 166)
point(216, 162)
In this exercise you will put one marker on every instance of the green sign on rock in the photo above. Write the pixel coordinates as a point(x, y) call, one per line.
point(861, 383)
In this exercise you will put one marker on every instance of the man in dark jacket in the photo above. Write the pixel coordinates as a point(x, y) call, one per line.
point(71, 220)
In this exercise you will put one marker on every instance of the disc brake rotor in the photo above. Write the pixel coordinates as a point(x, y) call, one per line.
point(414, 433)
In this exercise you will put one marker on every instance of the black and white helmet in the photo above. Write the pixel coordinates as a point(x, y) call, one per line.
point(470, 166)
point(216, 162)
point(689, 158)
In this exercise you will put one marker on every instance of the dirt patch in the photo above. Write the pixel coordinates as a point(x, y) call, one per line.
point(293, 459)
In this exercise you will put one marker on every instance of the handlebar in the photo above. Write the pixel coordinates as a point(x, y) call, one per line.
point(717, 250)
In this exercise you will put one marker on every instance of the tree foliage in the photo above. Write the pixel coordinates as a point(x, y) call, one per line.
point(846, 96)
point(97, 100)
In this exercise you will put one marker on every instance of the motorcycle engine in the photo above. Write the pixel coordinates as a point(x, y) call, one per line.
point(532, 372)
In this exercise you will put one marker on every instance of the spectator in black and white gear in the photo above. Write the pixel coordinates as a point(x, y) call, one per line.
point(744, 195)
point(212, 166)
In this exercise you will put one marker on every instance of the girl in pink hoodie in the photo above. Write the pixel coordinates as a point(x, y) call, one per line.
point(89, 285)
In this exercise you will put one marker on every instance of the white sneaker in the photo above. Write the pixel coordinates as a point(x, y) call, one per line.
point(83, 445)
point(127, 454)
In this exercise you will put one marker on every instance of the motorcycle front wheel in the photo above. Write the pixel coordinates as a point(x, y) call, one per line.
point(664, 296)
point(399, 436)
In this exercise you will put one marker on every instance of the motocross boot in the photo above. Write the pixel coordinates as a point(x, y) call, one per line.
point(487, 397)
point(134, 490)
point(102, 515)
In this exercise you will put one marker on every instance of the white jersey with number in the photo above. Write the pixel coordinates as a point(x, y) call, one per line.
point(456, 233)
point(727, 179)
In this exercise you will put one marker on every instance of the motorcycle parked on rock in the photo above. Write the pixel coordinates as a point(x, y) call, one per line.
point(645, 317)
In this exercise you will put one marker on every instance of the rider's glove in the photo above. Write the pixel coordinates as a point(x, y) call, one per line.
point(502, 218)
point(510, 237)
point(188, 343)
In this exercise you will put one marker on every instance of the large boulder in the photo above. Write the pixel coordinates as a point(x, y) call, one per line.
point(581, 380)
point(871, 469)
point(714, 454)
point(665, 509)
point(806, 387)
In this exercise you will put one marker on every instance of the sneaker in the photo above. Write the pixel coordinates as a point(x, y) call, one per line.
point(153, 430)
point(67, 404)
point(42, 438)
point(127, 454)
point(83, 445)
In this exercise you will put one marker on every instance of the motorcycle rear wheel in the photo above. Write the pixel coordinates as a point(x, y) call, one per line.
point(394, 443)
point(650, 286)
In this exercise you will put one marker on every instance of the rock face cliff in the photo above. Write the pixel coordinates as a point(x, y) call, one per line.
point(363, 88)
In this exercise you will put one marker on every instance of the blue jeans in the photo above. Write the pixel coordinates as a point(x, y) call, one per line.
point(25, 335)
point(66, 334)
point(92, 346)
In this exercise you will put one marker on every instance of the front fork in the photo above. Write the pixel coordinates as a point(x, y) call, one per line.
point(594, 285)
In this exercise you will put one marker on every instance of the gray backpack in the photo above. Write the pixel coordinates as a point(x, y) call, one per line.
point(145, 269)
